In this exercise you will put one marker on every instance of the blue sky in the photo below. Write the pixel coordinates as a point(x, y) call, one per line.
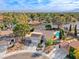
point(40, 5)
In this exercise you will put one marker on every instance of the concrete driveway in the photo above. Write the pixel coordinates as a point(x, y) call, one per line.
point(24, 55)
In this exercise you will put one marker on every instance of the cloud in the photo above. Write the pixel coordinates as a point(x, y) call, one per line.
point(40, 5)
point(64, 5)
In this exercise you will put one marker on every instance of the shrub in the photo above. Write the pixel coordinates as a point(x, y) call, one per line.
point(71, 53)
point(56, 41)
point(76, 54)
point(48, 27)
point(49, 42)
point(2, 26)
point(32, 29)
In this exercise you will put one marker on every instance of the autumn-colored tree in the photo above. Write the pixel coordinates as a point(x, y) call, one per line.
point(77, 53)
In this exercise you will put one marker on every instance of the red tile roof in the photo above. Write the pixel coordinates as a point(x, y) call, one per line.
point(75, 44)
point(2, 33)
point(64, 44)
point(34, 22)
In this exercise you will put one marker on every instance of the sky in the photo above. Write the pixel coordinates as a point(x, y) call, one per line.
point(40, 5)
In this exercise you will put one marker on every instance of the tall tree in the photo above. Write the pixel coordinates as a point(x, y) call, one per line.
point(75, 33)
point(20, 30)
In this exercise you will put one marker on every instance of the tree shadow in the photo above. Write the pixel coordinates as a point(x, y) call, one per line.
point(35, 54)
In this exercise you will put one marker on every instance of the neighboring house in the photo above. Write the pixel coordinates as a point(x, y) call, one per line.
point(66, 46)
point(1, 18)
point(5, 33)
point(34, 22)
point(75, 44)
point(35, 37)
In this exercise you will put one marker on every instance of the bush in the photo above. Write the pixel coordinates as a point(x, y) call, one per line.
point(71, 53)
point(39, 45)
point(32, 29)
point(49, 42)
point(48, 27)
point(76, 53)
point(2, 26)
point(56, 41)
